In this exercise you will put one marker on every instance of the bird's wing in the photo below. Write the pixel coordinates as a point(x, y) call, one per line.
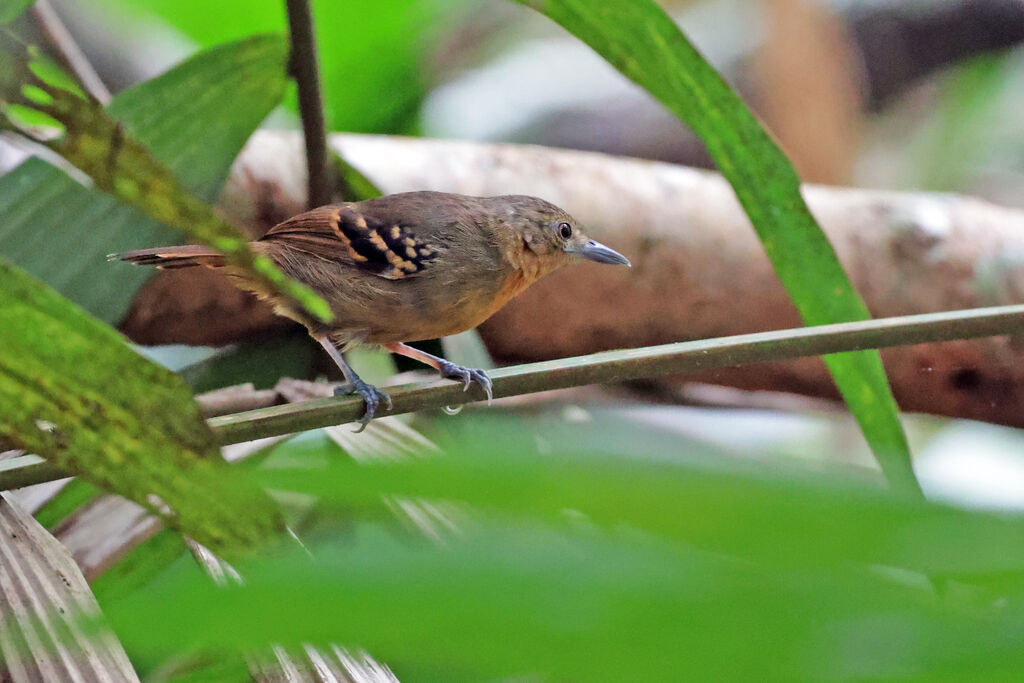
point(363, 240)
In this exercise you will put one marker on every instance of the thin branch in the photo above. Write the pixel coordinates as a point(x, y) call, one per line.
point(304, 67)
point(64, 44)
point(631, 364)
point(599, 368)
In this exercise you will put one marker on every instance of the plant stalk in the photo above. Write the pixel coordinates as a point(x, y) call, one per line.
point(600, 368)
point(304, 68)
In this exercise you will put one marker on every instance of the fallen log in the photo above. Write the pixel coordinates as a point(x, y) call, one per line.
point(698, 269)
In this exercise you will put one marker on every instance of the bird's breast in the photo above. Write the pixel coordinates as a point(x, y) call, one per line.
point(450, 310)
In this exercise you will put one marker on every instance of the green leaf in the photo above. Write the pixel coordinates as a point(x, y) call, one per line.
point(572, 557)
point(590, 563)
point(118, 163)
point(641, 41)
point(771, 514)
point(141, 565)
point(12, 9)
point(47, 71)
point(194, 118)
point(74, 393)
point(45, 216)
point(517, 601)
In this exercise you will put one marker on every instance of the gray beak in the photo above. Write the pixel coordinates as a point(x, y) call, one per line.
point(595, 251)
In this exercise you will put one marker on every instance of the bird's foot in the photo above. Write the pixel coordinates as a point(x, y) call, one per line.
point(372, 397)
point(467, 376)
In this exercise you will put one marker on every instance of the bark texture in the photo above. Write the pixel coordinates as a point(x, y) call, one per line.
point(699, 271)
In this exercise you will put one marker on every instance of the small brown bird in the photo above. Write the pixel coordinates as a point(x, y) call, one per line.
point(408, 267)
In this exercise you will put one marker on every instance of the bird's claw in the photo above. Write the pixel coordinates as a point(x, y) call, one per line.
point(372, 397)
point(467, 376)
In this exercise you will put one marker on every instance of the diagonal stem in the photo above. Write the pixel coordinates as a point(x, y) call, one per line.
point(305, 70)
point(631, 364)
point(610, 366)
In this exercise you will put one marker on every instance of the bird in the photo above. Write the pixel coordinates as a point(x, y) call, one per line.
point(406, 267)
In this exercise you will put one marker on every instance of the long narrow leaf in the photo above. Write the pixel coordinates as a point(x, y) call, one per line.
point(641, 41)
point(535, 603)
point(764, 513)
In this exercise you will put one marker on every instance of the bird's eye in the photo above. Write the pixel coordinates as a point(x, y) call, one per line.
point(565, 230)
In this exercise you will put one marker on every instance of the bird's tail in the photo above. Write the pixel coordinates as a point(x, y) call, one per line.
point(168, 258)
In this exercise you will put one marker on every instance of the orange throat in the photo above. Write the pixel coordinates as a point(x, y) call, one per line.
point(514, 284)
point(527, 268)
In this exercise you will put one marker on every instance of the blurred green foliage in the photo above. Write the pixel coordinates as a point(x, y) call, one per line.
point(11, 9)
point(371, 53)
point(631, 565)
point(964, 128)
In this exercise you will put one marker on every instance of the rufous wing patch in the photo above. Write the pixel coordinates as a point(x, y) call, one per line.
point(386, 249)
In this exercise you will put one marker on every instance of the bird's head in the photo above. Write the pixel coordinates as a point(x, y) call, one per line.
point(551, 235)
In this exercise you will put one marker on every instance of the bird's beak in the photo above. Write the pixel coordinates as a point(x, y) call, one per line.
point(595, 251)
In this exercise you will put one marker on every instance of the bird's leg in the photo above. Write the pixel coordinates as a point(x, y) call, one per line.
point(372, 396)
point(447, 369)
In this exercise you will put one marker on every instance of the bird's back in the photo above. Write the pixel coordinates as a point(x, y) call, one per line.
point(399, 268)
